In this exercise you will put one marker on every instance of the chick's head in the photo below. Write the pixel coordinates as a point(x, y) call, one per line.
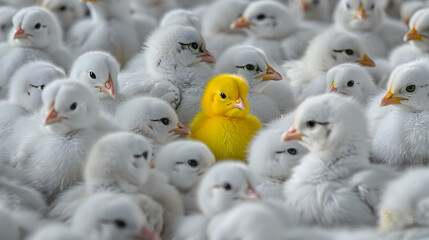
point(226, 95)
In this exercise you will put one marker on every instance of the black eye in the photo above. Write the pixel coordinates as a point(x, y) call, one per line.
point(194, 45)
point(165, 121)
point(63, 8)
point(193, 163)
point(350, 83)
point(316, 2)
point(348, 6)
point(227, 186)
point(92, 75)
point(260, 17)
point(222, 95)
point(145, 154)
point(250, 67)
point(372, 6)
point(73, 106)
point(37, 26)
point(120, 223)
point(410, 88)
point(42, 87)
point(349, 52)
point(311, 124)
point(292, 151)
point(136, 156)
point(3, 27)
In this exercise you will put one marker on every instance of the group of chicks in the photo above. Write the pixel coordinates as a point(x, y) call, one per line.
point(217, 120)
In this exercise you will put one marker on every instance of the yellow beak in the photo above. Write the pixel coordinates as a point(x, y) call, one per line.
point(390, 99)
point(413, 35)
point(361, 14)
point(241, 23)
point(366, 61)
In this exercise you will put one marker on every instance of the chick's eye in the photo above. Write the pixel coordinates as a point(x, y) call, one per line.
point(63, 8)
point(261, 17)
point(165, 121)
point(348, 6)
point(145, 153)
point(42, 87)
point(350, 83)
point(372, 7)
point(227, 186)
point(92, 75)
point(311, 124)
point(316, 2)
point(194, 45)
point(349, 52)
point(120, 223)
point(250, 67)
point(222, 95)
point(193, 163)
point(410, 88)
point(37, 26)
point(292, 151)
point(73, 106)
point(3, 27)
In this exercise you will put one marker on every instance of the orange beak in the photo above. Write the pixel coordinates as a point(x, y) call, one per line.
point(241, 23)
point(271, 74)
point(305, 6)
point(249, 195)
point(366, 61)
point(390, 99)
point(360, 14)
point(207, 57)
point(20, 33)
point(291, 135)
point(108, 88)
point(239, 104)
point(413, 35)
point(52, 116)
point(406, 21)
point(181, 130)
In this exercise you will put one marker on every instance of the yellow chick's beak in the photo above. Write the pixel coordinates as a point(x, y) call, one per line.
point(249, 195)
point(207, 57)
point(181, 130)
point(271, 74)
point(360, 14)
point(366, 61)
point(108, 88)
point(413, 35)
point(20, 33)
point(333, 88)
point(305, 6)
point(239, 103)
point(241, 23)
point(390, 99)
point(52, 116)
point(292, 135)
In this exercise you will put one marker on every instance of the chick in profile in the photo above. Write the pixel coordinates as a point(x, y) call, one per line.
point(224, 123)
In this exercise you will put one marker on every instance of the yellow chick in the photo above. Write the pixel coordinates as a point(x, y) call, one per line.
point(224, 123)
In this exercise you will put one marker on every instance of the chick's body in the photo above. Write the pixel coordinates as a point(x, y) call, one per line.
point(225, 124)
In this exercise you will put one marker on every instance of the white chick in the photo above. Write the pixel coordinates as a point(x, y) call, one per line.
point(109, 216)
point(418, 40)
point(225, 185)
point(336, 178)
point(272, 27)
point(181, 17)
point(100, 70)
point(352, 80)
point(185, 162)
point(36, 35)
point(313, 10)
point(55, 232)
point(267, 99)
point(408, 9)
point(6, 15)
point(18, 3)
point(25, 98)
point(393, 7)
point(111, 29)
point(396, 141)
point(8, 227)
point(52, 155)
point(273, 161)
point(252, 221)
point(175, 70)
point(153, 8)
point(118, 162)
point(327, 50)
point(216, 28)
point(66, 11)
point(152, 118)
point(405, 202)
point(367, 20)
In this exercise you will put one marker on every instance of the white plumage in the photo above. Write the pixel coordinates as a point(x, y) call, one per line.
point(66, 11)
point(6, 15)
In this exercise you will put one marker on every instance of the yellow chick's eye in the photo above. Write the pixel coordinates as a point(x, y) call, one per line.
point(222, 95)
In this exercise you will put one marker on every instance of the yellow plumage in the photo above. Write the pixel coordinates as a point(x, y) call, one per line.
point(224, 123)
